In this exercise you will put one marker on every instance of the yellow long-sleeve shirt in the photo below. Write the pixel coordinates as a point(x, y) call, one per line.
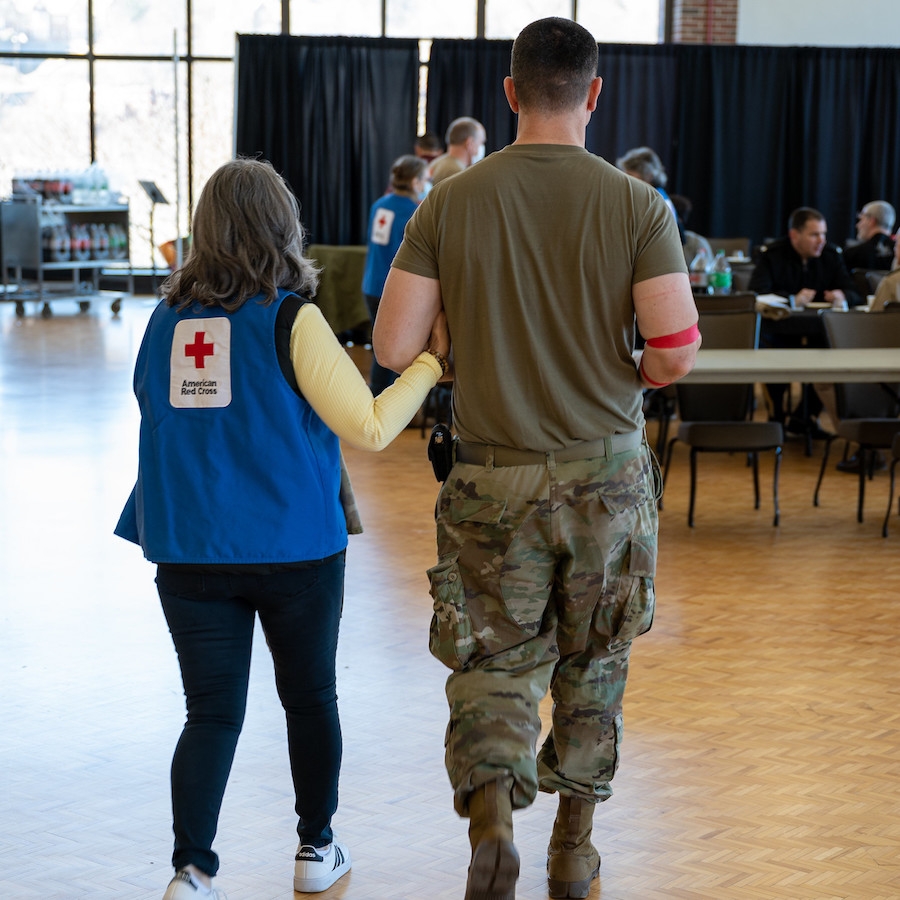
point(329, 379)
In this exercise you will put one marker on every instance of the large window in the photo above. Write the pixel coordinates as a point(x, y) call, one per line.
point(153, 100)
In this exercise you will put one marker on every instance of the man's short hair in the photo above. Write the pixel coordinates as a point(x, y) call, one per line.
point(429, 142)
point(882, 212)
point(553, 63)
point(799, 218)
point(460, 130)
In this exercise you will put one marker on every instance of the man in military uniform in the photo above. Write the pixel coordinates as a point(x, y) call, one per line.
point(543, 256)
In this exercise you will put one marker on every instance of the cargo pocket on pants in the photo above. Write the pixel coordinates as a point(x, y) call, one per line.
point(450, 638)
point(636, 595)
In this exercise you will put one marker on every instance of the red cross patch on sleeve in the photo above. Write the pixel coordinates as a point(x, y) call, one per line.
point(200, 365)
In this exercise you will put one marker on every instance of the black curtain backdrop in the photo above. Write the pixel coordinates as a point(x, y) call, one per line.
point(636, 107)
point(331, 114)
point(763, 130)
point(748, 133)
point(465, 78)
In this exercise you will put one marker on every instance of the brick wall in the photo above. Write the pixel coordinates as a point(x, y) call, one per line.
point(704, 21)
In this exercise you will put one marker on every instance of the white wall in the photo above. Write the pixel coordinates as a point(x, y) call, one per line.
point(821, 23)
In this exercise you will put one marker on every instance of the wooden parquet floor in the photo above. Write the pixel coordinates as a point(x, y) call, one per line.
point(762, 748)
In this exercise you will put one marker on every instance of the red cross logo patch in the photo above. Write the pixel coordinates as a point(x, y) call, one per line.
point(200, 375)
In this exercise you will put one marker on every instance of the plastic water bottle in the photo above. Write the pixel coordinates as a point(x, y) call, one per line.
point(720, 275)
point(698, 272)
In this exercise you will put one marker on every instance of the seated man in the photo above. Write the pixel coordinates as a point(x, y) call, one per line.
point(875, 249)
point(808, 269)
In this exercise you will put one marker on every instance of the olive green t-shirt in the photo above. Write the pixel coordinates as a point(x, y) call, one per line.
point(536, 248)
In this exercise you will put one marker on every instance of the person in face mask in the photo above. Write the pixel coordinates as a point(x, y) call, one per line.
point(465, 145)
point(387, 219)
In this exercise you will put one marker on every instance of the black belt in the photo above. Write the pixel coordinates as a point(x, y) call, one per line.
point(477, 454)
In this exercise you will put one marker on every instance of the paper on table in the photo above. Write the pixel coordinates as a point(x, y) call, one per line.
point(772, 306)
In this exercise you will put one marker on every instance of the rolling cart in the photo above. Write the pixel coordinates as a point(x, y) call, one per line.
point(53, 251)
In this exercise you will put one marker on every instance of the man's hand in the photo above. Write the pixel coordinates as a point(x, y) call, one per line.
point(804, 296)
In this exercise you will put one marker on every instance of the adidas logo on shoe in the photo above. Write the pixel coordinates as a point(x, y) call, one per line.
point(316, 869)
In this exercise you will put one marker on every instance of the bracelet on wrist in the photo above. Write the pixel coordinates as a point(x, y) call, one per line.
point(442, 360)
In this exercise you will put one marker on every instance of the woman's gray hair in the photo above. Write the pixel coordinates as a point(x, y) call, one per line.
point(645, 164)
point(247, 240)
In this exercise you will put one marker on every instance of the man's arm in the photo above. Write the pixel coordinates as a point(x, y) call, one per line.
point(665, 306)
point(407, 310)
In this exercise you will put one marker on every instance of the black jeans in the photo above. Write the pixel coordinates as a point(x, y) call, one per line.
point(211, 618)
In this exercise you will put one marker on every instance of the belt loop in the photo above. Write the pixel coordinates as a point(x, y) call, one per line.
point(608, 447)
point(489, 457)
point(551, 463)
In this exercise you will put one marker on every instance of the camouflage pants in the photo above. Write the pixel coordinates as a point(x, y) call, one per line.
point(544, 577)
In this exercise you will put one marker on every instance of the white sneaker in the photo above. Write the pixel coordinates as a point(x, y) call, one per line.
point(318, 868)
point(185, 887)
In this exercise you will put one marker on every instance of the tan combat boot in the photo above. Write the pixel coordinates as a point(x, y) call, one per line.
point(572, 860)
point(495, 862)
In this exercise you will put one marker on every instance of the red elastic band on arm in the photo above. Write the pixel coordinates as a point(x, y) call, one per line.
point(679, 339)
point(643, 373)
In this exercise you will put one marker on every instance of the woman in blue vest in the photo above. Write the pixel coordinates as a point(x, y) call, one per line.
point(387, 219)
point(244, 394)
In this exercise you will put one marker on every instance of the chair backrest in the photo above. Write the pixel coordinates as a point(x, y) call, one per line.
point(723, 330)
point(739, 301)
point(731, 245)
point(740, 277)
point(730, 329)
point(873, 278)
point(860, 282)
point(867, 280)
point(856, 329)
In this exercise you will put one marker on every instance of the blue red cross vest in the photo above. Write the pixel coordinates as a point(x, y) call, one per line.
point(234, 466)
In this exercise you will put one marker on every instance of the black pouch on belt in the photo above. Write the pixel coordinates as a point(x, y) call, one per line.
point(440, 451)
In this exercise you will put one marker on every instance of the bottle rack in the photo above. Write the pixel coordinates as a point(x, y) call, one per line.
point(54, 250)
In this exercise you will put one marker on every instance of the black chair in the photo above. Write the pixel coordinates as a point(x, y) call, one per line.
point(741, 275)
point(895, 458)
point(718, 417)
point(867, 414)
point(738, 301)
point(661, 404)
point(731, 245)
point(867, 280)
point(873, 278)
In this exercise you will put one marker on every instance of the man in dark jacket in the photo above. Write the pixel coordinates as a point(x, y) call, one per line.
point(805, 267)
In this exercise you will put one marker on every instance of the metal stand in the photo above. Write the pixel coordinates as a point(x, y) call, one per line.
point(156, 196)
